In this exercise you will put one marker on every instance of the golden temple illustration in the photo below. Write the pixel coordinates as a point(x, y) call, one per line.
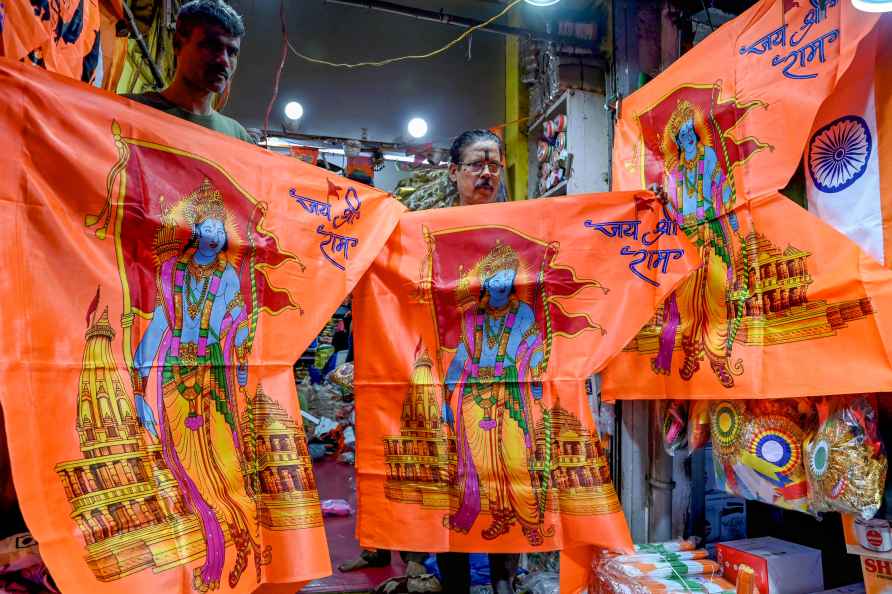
point(580, 474)
point(288, 497)
point(421, 460)
point(124, 499)
point(776, 306)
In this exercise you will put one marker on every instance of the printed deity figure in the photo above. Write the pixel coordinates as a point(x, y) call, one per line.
point(494, 377)
point(195, 344)
point(699, 194)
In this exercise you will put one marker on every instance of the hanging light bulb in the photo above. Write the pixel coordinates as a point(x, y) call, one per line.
point(294, 110)
point(417, 127)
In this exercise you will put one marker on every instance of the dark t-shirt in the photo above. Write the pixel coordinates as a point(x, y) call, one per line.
point(214, 121)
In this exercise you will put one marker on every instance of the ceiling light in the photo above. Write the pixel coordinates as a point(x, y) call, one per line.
point(542, 2)
point(417, 127)
point(294, 110)
point(873, 5)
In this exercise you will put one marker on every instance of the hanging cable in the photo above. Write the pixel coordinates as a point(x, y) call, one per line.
point(430, 54)
point(285, 44)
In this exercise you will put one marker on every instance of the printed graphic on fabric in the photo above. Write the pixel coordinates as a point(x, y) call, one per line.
point(490, 446)
point(748, 290)
point(184, 465)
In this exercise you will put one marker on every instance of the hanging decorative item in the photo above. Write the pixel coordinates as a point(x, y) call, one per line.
point(845, 459)
point(757, 450)
point(675, 425)
point(726, 421)
point(698, 425)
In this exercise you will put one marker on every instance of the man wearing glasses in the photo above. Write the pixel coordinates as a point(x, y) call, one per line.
point(476, 167)
point(476, 170)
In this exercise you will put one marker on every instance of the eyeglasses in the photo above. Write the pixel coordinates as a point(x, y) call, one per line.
point(477, 167)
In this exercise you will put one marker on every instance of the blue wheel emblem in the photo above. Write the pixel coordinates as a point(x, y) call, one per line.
point(838, 153)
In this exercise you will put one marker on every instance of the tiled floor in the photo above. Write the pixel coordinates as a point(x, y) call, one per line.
point(338, 481)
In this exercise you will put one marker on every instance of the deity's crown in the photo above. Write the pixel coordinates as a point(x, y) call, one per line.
point(206, 202)
point(501, 257)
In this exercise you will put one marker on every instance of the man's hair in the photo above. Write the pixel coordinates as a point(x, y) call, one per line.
point(208, 12)
point(468, 138)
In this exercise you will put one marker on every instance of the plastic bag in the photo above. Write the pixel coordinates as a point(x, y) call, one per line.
point(845, 459)
point(544, 582)
point(608, 578)
point(757, 449)
point(674, 425)
point(336, 507)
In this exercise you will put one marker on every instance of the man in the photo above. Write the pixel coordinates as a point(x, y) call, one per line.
point(206, 41)
point(476, 168)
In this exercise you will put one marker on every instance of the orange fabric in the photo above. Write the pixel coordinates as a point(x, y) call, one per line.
point(778, 291)
point(883, 97)
point(512, 463)
point(59, 36)
point(762, 116)
point(160, 279)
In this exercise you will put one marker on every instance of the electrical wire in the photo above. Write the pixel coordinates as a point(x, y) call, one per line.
point(285, 44)
point(430, 54)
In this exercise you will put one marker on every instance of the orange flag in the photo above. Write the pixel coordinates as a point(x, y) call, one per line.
point(782, 304)
point(474, 339)
point(162, 449)
point(61, 36)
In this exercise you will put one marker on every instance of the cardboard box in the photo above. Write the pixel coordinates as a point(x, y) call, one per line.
point(877, 575)
point(872, 538)
point(725, 517)
point(781, 567)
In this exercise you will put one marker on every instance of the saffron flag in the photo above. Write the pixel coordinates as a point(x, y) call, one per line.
point(848, 158)
point(162, 449)
point(782, 304)
point(60, 35)
point(474, 341)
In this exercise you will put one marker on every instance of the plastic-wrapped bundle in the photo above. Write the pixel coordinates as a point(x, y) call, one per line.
point(757, 450)
point(845, 458)
point(675, 425)
point(670, 546)
point(698, 425)
point(664, 556)
point(666, 569)
point(342, 377)
point(607, 578)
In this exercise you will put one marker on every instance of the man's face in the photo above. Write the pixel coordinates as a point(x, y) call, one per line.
point(477, 176)
point(208, 57)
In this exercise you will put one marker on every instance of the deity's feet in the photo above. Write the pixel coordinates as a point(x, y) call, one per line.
point(501, 523)
point(720, 369)
point(243, 547)
point(690, 366)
